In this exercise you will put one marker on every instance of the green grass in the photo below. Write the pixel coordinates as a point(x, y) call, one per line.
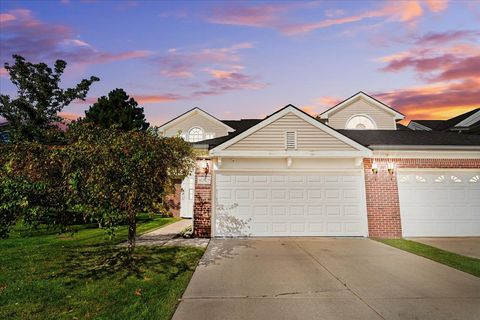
point(84, 275)
point(454, 260)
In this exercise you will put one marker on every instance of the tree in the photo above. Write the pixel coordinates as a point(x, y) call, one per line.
point(117, 109)
point(39, 97)
point(106, 176)
point(113, 174)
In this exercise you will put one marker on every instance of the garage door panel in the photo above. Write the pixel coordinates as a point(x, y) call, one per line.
point(295, 205)
point(439, 203)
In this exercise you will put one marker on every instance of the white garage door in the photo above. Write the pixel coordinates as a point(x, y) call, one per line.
point(444, 203)
point(290, 205)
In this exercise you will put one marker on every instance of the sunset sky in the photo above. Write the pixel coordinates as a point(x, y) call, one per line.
point(247, 59)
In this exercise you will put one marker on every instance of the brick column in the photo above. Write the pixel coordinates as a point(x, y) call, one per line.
point(383, 206)
point(202, 206)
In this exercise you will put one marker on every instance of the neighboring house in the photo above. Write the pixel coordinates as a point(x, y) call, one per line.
point(468, 122)
point(354, 172)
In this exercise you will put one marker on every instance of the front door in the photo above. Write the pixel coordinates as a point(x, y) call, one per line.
point(188, 195)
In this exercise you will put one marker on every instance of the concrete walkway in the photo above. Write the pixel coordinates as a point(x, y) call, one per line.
point(324, 278)
point(468, 246)
point(167, 236)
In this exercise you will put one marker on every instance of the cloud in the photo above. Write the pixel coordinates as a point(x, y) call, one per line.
point(434, 101)
point(3, 72)
point(451, 68)
point(437, 5)
point(39, 41)
point(274, 16)
point(444, 37)
point(180, 64)
point(161, 98)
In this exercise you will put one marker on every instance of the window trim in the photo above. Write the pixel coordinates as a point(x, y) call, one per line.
point(361, 115)
point(195, 127)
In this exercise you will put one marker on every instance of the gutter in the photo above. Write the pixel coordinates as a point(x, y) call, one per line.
point(420, 147)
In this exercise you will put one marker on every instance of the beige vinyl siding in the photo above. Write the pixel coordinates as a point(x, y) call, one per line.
point(197, 120)
point(383, 119)
point(272, 137)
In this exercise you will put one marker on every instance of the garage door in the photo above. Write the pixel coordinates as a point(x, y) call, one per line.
point(290, 205)
point(444, 203)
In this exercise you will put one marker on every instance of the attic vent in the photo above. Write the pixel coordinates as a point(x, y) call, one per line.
point(290, 140)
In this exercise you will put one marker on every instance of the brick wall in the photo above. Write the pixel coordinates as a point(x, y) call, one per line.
point(383, 207)
point(202, 206)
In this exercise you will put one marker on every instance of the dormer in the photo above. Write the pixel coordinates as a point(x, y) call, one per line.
point(362, 112)
point(195, 125)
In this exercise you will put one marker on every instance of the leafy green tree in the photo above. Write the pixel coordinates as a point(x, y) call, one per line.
point(99, 175)
point(39, 97)
point(118, 109)
point(113, 174)
point(32, 187)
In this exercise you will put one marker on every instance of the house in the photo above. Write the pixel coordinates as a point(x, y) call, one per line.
point(351, 173)
point(468, 122)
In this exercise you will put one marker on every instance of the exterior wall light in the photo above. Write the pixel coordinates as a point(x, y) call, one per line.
point(205, 167)
point(391, 168)
point(374, 167)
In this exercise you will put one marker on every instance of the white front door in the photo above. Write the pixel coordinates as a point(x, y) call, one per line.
point(439, 203)
point(290, 204)
point(188, 196)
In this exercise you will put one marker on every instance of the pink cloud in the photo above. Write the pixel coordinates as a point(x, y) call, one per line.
point(183, 64)
point(144, 99)
point(37, 40)
point(444, 37)
point(273, 16)
point(437, 5)
point(3, 72)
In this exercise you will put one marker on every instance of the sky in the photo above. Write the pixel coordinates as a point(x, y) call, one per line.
point(246, 59)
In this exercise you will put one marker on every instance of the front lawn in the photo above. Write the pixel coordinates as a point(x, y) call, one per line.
point(83, 276)
point(454, 260)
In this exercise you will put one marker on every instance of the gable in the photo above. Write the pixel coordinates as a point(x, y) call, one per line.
point(383, 119)
point(272, 137)
point(195, 118)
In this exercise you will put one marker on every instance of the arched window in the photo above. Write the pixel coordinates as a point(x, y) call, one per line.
point(195, 134)
point(360, 122)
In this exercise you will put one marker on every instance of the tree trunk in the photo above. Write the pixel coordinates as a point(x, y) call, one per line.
point(132, 232)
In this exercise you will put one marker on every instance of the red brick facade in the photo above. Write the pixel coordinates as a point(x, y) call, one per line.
point(383, 207)
point(202, 206)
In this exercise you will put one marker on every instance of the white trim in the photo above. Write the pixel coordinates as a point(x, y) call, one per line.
point(289, 170)
point(438, 169)
point(188, 114)
point(362, 115)
point(301, 115)
point(469, 121)
point(188, 134)
point(417, 126)
point(291, 153)
point(362, 95)
point(420, 147)
point(431, 154)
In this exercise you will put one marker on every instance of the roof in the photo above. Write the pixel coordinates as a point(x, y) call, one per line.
point(411, 138)
point(196, 109)
point(361, 94)
point(441, 125)
point(242, 124)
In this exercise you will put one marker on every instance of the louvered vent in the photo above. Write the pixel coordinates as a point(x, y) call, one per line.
point(290, 140)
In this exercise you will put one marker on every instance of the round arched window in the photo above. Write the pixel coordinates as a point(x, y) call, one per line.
point(360, 123)
point(195, 134)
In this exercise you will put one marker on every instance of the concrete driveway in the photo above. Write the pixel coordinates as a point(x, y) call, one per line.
point(324, 278)
point(467, 246)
